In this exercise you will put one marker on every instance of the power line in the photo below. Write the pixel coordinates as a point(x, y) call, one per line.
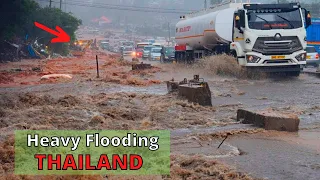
point(127, 8)
point(138, 7)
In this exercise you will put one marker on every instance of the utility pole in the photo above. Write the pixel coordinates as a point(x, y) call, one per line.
point(65, 5)
point(205, 4)
point(50, 3)
point(60, 4)
point(169, 33)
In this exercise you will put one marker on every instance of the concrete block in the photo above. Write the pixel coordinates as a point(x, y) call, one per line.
point(200, 94)
point(270, 119)
point(172, 86)
point(135, 60)
point(141, 66)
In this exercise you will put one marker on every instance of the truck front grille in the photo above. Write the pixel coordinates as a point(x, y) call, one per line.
point(268, 46)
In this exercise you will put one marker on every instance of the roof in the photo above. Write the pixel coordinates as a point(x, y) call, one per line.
point(143, 43)
point(105, 19)
point(102, 19)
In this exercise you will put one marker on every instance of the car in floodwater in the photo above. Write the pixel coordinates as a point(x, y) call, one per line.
point(139, 53)
point(169, 54)
point(146, 51)
point(139, 48)
point(312, 56)
point(155, 54)
point(157, 45)
point(105, 45)
point(127, 51)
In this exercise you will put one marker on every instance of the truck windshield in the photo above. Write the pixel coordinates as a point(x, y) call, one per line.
point(156, 50)
point(141, 45)
point(169, 50)
point(128, 49)
point(274, 19)
point(147, 48)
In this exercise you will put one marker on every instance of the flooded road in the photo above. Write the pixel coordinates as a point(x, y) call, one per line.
point(196, 130)
point(279, 156)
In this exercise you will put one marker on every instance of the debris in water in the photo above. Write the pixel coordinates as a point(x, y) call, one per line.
point(223, 141)
point(67, 76)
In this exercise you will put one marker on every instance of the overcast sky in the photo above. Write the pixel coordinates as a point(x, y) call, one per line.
point(101, 9)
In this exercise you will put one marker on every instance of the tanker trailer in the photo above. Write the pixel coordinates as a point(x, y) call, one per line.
point(264, 37)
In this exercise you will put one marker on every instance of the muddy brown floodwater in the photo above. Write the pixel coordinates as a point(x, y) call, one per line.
point(125, 99)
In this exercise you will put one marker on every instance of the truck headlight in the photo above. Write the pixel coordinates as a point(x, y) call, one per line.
point(301, 57)
point(252, 58)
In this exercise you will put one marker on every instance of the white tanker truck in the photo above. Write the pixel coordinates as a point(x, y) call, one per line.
point(268, 37)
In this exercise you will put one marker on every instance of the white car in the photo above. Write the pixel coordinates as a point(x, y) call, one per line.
point(146, 52)
point(156, 45)
point(128, 51)
point(155, 54)
point(312, 56)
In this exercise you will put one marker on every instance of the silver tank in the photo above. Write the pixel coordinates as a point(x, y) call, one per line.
point(208, 28)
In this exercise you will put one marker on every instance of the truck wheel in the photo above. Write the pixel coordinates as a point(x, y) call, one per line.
point(234, 54)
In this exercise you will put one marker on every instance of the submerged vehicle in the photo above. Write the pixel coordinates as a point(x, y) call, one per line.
point(127, 51)
point(105, 45)
point(139, 49)
point(155, 54)
point(312, 56)
point(139, 53)
point(79, 47)
point(169, 54)
point(146, 51)
point(141, 45)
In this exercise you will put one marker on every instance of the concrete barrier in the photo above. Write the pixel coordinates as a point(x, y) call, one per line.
point(135, 60)
point(270, 120)
point(200, 94)
point(141, 66)
point(172, 86)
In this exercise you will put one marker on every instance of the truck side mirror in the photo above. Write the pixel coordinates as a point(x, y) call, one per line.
point(239, 21)
point(242, 18)
point(308, 19)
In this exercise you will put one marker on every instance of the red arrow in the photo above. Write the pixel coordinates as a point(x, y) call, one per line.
point(62, 36)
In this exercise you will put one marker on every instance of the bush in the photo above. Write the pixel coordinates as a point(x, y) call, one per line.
point(18, 17)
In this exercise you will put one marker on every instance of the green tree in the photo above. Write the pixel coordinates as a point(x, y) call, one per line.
point(18, 17)
point(14, 15)
point(52, 17)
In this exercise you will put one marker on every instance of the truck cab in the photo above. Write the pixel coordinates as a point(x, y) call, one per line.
point(264, 37)
point(271, 37)
point(313, 34)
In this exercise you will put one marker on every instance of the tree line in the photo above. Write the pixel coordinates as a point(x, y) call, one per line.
point(18, 17)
